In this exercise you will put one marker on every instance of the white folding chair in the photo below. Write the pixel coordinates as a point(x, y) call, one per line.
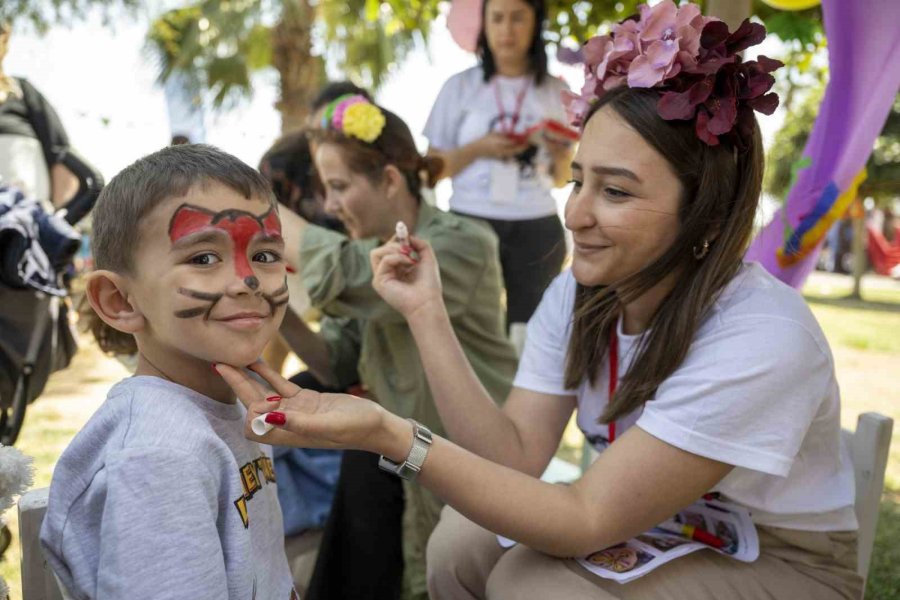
point(869, 446)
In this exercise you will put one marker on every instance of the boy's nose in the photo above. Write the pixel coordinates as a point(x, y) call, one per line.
point(252, 282)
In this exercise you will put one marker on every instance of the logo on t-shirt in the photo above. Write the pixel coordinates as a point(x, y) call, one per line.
point(252, 483)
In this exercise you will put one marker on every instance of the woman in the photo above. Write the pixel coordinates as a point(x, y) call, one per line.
point(372, 176)
point(496, 176)
point(691, 371)
point(33, 142)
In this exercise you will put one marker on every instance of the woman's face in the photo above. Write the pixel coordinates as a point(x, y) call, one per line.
point(623, 210)
point(349, 196)
point(509, 26)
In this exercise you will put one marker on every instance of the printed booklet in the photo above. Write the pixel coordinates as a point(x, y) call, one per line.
point(708, 523)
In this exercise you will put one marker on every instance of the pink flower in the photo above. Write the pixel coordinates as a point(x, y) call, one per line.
point(654, 65)
point(693, 60)
point(670, 42)
point(576, 107)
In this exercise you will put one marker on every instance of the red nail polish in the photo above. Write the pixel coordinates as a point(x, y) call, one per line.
point(405, 250)
point(273, 398)
point(275, 418)
point(213, 365)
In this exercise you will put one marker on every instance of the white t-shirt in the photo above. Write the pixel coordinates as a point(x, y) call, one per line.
point(467, 108)
point(756, 390)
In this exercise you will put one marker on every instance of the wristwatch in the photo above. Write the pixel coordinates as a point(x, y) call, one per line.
point(410, 467)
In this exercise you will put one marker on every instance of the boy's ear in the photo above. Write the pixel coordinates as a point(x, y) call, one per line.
point(107, 293)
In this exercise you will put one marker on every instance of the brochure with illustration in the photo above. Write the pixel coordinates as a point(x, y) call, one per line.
point(547, 129)
point(708, 523)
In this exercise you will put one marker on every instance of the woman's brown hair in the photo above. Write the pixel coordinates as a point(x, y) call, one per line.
point(720, 193)
point(394, 146)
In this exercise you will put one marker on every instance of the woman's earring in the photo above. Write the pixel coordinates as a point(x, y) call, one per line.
point(702, 252)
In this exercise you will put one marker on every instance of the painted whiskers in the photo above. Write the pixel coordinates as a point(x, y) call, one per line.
point(277, 298)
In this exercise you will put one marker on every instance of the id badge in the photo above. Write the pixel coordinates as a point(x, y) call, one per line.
point(504, 182)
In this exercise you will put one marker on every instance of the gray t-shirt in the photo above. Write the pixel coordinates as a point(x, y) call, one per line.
point(161, 496)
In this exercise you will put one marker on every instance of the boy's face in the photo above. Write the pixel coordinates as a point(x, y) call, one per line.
point(209, 277)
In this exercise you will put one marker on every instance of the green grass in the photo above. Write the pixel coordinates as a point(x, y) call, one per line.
point(884, 576)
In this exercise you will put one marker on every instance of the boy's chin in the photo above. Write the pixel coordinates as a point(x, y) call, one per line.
point(238, 357)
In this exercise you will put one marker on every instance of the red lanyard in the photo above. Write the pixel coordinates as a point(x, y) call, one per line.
point(520, 99)
point(613, 374)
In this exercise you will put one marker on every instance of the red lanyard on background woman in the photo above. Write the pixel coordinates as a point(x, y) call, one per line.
point(520, 99)
point(613, 375)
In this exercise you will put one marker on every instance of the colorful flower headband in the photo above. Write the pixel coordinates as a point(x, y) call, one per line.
point(693, 59)
point(354, 116)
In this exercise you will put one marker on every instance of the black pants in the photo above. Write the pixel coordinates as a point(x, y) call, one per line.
point(361, 554)
point(531, 255)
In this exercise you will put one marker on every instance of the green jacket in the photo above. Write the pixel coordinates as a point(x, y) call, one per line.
point(338, 276)
point(378, 342)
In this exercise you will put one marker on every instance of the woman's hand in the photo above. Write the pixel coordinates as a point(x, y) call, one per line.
point(498, 146)
point(304, 418)
point(407, 278)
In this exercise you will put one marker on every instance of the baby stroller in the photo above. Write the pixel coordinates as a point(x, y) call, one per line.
point(36, 250)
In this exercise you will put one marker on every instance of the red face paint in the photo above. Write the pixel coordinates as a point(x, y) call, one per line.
point(241, 226)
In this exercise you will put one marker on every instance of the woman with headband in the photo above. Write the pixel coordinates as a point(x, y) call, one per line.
point(372, 176)
point(691, 371)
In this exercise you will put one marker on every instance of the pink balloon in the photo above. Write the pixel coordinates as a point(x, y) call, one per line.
point(464, 23)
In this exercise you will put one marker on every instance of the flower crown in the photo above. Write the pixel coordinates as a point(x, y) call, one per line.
point(354, 116)
point(693, 60)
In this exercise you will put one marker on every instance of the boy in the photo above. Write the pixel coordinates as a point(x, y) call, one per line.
point(160, 495)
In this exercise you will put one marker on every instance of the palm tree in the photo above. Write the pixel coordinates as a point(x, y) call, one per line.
point(218, 45)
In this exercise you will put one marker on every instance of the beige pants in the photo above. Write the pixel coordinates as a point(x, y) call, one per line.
point(465, 562)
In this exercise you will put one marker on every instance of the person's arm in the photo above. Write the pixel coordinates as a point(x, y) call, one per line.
point(159, 518)
point(495, 146)
point(635, 484)
point(525, 432)
point(63, 185)
point(561, 154)
point(308, 345)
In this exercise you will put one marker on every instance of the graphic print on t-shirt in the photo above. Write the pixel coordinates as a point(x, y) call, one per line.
point(251, 483)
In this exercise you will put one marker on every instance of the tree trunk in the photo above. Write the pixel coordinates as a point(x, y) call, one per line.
point(858, 247)
point(301, 72)
point(733, 12)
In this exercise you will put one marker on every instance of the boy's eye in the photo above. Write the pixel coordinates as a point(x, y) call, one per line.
point(207, 258)
point(267, 256)
point(576, 183)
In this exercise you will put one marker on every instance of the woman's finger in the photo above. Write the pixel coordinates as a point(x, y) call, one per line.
point(282, 386)
point(396, 264)
point(420, 245)
point(247, 389)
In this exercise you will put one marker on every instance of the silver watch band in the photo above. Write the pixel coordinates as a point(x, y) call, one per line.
point(410, 467)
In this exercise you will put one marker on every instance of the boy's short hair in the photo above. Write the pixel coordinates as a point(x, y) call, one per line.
point(139, 188)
